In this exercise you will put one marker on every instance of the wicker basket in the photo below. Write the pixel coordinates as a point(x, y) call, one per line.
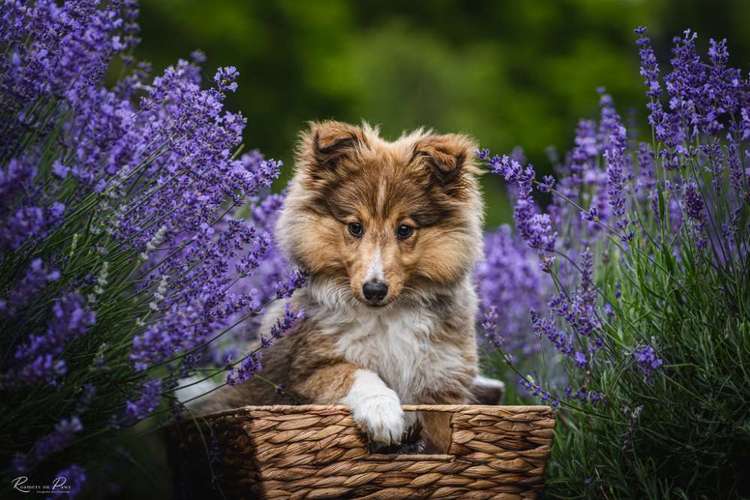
point(312, 451)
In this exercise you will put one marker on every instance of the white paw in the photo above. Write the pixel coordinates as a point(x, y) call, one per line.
point(375, 408)
point(381, 416)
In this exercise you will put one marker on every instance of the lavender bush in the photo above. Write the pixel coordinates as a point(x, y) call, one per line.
point(637, 276)
point(125, 258)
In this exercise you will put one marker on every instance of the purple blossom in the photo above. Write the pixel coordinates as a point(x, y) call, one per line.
point(39, 359)
point(582, 394)
point(211, 292)
point(694, 205)
point(675, 214)
point(207, 245)
point(29, 223)
point(695, 209)
point(745, 124)
point(580, 359)
point(614, 140)
point(579, 309)
point(225, 79)
point(294, 280)
point(86, 36)
point(37, 277)
point(57, 440)
point(145, 405)
point(73, 478)
point(251, 363)
point(547, 184)
point(580, 181)
point(737, 175)
point(249, 366)
point(545, 327)
point(510, 283)
point(14, 177)
point(646, 171)
point(590, 215)
point(489, 325)
point(534, 227)
point(535, 389)
point(647, 361)
point(649, 65)
point(198, 57)
point(666, 126)
point(290, 319)
point(585, 151)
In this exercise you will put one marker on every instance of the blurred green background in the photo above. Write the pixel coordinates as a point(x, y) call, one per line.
point(508, 73)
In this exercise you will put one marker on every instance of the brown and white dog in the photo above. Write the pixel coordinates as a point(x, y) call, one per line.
point(389, 233)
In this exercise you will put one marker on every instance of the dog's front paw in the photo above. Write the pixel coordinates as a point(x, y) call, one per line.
point(375, 408)
point(381, 417)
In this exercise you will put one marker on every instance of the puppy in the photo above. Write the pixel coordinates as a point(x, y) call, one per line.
point(389, 233)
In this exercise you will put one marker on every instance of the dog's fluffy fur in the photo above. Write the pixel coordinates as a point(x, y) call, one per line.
point(418, 345)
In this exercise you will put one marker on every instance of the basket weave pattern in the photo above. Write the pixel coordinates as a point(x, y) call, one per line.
point(313, 451)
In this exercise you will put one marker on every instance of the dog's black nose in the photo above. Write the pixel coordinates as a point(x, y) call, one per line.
point(374, 291)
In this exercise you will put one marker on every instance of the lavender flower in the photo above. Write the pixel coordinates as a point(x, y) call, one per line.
point(146, 403)
point(74, 480)
point(37, 277)
point(614, 140)
point(582, 394)
point(225, 79)
point(649, 66)
point(54, 442)
point(510, 283)
point(737, 175)
point(666, 126)
point(535, 228)
point(28, 223)
point(251, 364)
point(547, 184)
point(544, 327)
point(694, 206)
point(489, 325)
point(38, 360)
point(536, 390)
point(646, 360)
point(290, 319)
point(75, 57)
point(646, 171)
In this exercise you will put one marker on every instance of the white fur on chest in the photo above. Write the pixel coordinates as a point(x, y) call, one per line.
point(398, 344)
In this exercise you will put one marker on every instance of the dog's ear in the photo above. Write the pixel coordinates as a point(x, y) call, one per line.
point(448, 156)
point(325, 144)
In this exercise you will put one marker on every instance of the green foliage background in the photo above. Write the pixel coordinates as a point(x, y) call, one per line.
point(506, 72)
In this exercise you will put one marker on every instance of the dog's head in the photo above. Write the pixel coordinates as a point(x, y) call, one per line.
point(380, 220)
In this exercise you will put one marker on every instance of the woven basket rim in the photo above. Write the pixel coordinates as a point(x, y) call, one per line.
point(406, 407)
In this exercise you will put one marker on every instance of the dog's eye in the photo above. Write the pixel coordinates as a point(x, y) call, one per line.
point(355, 229)
point(403, 231)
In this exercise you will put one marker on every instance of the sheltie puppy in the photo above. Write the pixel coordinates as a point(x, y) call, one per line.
point(389, 233)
